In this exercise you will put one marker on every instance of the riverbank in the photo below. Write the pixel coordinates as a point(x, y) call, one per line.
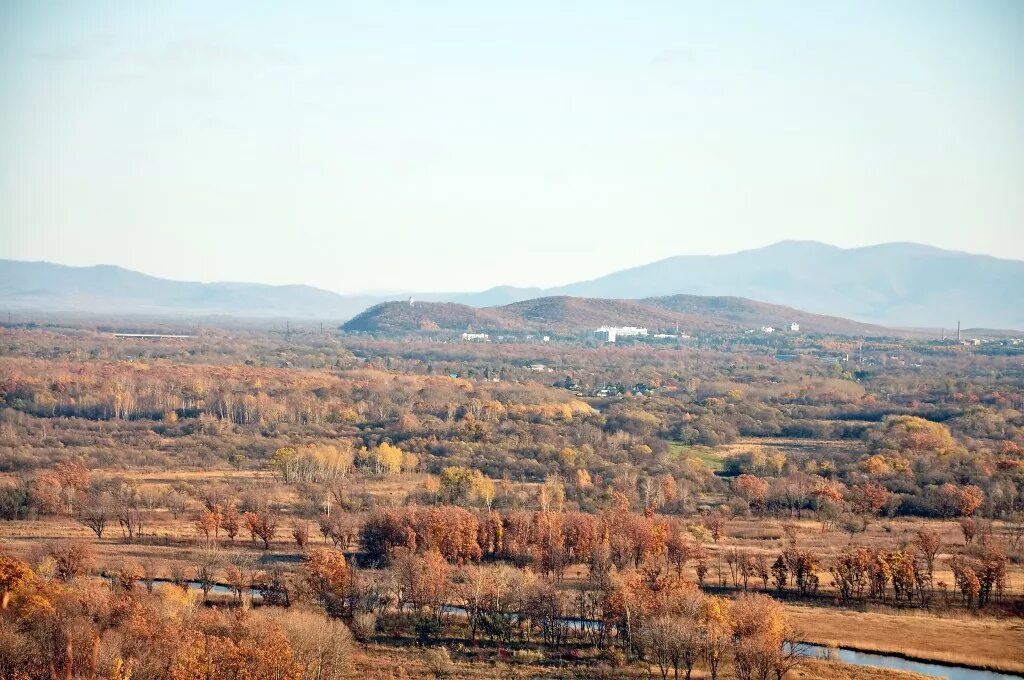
point(984, 643)
point(816, 669)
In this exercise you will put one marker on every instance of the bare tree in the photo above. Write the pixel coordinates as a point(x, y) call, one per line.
point(322, 646)
point(95, 511)
point(205, 573)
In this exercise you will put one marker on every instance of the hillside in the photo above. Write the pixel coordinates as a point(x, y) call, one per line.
point(391, 317)
point(569, 315)
point(750, 313)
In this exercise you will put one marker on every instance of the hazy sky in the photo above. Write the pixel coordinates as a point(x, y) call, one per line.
point(454, 146)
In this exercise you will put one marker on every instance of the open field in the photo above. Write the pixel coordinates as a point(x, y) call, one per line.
point(713, 458)
point(384, 662)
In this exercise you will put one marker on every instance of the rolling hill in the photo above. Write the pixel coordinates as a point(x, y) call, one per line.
point(571, 315)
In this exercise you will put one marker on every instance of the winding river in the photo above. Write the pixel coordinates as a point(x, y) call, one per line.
point(937, 670)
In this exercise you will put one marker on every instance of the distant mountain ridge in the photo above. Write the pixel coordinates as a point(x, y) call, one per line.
point(894, 284)
point(106, 289)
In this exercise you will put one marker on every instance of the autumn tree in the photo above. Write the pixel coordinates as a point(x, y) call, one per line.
point(383, 531)
point(70, 558)
point(460, 485)
point(910, 433)
point(13, 574)
point(327, 574)
point(759, 629)
point(715, 523)
point(968, 528)
point(300, 532)
point(231, 522)
point(716, 629)
point(385, 459)
point(261, 524)
point(851, 572)
point(969, 499)
point(207, 523)
point(868, 498)
point(61, 487)
point(423, 580)
point(929, 543)
point(752, 489)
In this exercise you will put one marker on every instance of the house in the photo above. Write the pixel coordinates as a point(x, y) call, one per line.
point(609, 333)
point(794, 327)
point(767, 329)
point(476, 337)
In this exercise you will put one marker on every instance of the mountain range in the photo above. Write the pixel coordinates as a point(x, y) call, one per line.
point(894, 284)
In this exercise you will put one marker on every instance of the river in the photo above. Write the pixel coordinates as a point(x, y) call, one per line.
point(937, 670)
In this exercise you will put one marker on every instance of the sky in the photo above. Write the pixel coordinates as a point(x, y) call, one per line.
point(454, 146)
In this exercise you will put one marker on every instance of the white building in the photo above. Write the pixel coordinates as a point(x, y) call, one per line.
point(609, 333)
point(481, 337)
point(795, 327)
point(767, 329)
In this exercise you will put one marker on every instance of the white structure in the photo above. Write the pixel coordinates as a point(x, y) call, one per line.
point(609, 333)
point(795, 327)
point(152, 336)
point(481, 337)
point(767, 329)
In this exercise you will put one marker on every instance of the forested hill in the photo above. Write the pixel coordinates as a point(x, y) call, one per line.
point(570, 315)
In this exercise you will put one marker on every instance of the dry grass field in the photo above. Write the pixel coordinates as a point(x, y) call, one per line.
point(978, 641)
point(816, 669)
point(391, 662)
